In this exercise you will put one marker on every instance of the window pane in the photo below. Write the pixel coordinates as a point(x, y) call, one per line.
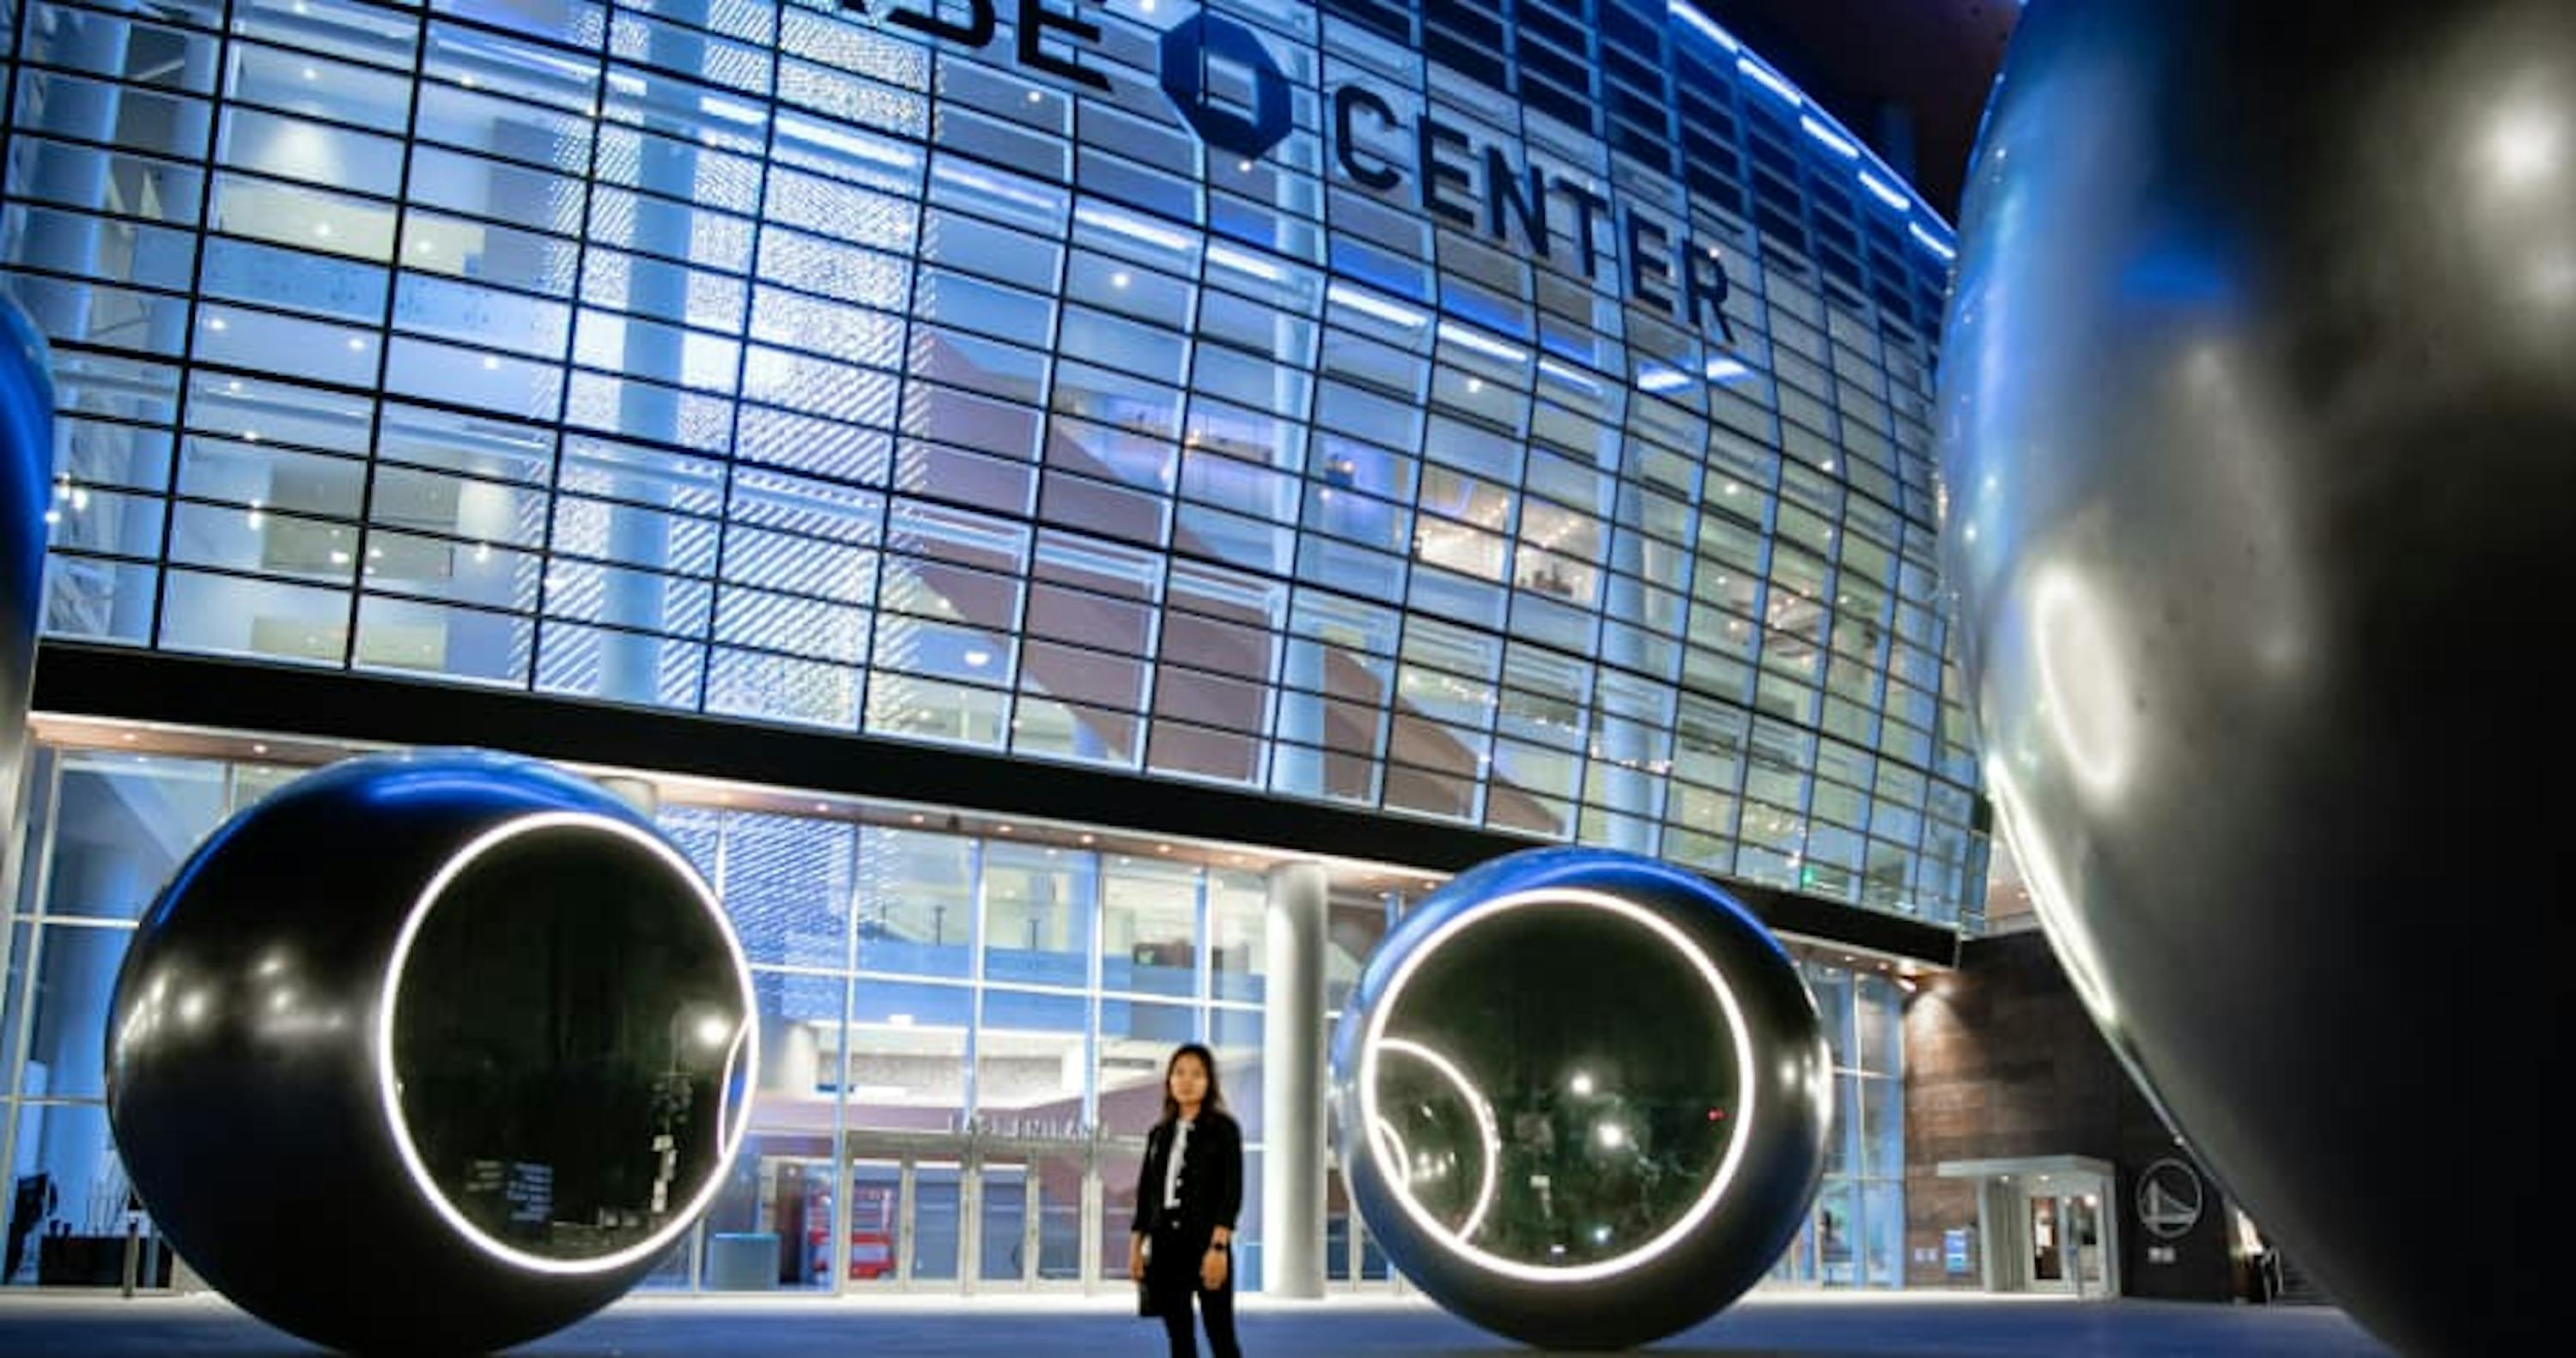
point(1235, 1036)
point(787, 884)
point(916, 902)
point(1038, 907)
point(907, 1056)
point(1883, 1208)
point(1136, 1040)
point(1029, 1059)
point(1238, 917)
point(1149, 929)
point(69, 1151)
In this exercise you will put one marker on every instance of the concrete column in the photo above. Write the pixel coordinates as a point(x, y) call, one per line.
point(1292, 1086)
point(631, 663)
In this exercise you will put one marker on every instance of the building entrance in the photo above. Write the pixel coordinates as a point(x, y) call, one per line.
point(2042, 1224)
point(963, 1213)
point(2064, 1234)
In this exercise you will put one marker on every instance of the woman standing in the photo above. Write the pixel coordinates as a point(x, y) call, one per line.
point(1188, 1193)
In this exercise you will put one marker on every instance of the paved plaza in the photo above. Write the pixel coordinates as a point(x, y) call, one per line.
point(1888, 1326)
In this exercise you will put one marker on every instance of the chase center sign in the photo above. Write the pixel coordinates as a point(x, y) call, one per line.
point(1234, 95)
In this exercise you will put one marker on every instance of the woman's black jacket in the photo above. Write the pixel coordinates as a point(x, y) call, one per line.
point(1211, 1189)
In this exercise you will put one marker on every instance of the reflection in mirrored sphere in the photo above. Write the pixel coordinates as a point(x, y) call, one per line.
point(1582, 1098)
point(462, 1021)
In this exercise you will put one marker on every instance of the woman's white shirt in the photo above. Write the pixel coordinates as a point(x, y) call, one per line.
point(1172, 1166)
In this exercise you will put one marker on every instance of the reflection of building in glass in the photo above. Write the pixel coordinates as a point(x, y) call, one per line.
point(762, 364)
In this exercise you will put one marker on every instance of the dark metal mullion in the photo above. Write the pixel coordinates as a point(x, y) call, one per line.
point(1150, 657)
point(1050, 355)
point(404, 210)
point(1274, 673)
point(183, 398)
point(743, 342)
point(1384, 756)
point(543, 624)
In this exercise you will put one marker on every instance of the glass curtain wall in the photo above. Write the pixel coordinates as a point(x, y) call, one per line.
point(969, 1018)
point(1855, 1235)
point(962, 1039)
point(769, 360)
point(104, 831)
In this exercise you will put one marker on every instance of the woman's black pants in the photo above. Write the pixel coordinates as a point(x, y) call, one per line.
point(1173, 1271)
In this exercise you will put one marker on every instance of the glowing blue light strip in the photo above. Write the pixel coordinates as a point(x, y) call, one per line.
point(798, 127)
point(1664, 379)
point(1689, 14)
point(1370, 305)
point(1880, 185)
point(1833, 141)
point(1884, 192)
point(1762, 76)
point(1564, 376)
point(1132, 227)
point(1226, 257)
point(1931, 242)
point(1726, 370)
point(733, 110)
point(1458, 334)
point(948, 172)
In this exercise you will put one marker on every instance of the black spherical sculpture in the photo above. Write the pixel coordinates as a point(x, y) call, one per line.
point(1582, 1098)
point(2258, 412)
point(26, 457)
point(430, 1054)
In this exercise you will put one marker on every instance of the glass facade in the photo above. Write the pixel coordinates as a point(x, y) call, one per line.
point(1532, 435)
point(1855, 1233)
point(976, 1023)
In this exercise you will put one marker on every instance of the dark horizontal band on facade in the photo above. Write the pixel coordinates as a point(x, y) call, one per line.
point(74, 679)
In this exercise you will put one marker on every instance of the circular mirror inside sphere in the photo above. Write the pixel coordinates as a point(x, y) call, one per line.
point(567, 1045)
point(1555, 1086)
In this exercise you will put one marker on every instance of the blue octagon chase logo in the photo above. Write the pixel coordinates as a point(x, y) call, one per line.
point(1192, 52)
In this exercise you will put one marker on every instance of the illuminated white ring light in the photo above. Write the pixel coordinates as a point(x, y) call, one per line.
point(745, 1050)
point(1485, 1126)
point(1394, 1142)
point(1742, 1123)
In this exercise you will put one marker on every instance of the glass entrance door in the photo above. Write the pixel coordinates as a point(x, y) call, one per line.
point(2041, 1225)
point(2047, 1238)
point(961, 1214)
point(2086, 1260)
point(1055, 1204)
point(1006, 1243)
point(936, 1203)
point(2064, 1235)
point(877, 1225)
point(1028, 1213)
point(907, 1218)
point(1121, 1159)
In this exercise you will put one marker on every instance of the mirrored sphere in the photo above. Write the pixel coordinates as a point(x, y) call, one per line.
point(430, 1053)
point(26, 463)
point(2258, 408)
point(1581, 1097)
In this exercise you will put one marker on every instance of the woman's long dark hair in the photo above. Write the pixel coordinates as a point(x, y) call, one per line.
point(1207, 1062)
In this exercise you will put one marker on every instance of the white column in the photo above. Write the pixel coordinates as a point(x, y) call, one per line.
point(1292, 1086)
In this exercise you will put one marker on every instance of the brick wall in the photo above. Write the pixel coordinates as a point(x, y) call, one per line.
point(2002, 1062)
